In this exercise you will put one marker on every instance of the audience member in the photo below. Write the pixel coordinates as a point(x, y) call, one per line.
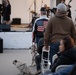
point(1, 11)
point(69, 11)
point(68, 8)
point(58, 27)
point(47, 10)
point(39, 26)
point(6, 11)
point(66, 54)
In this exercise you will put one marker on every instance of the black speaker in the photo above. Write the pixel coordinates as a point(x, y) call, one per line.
point(16, 21)
point(1, 45)
point(4, 27)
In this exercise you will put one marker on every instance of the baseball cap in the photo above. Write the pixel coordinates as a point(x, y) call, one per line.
point(62, 7)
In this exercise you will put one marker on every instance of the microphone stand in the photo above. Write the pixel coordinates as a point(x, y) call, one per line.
point(35, 5)
point(29, 10)
point(41, 3)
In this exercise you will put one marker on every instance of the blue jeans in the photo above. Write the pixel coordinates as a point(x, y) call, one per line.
point(37, 40)
point(65, 71)
point(54, 48)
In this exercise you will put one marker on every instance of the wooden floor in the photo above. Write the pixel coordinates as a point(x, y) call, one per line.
point(21, 27)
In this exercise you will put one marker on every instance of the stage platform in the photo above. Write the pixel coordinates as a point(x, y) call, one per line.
point(21, 27)
point(16, 40)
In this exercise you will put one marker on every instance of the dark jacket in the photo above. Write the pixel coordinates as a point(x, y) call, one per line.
point(68, 57)
point(7, 12)
point(39, 26)
point(69, 13)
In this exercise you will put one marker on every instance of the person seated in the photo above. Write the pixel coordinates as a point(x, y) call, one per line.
point(66, 54)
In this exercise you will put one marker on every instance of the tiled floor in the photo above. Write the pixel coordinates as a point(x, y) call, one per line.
point(7, 57)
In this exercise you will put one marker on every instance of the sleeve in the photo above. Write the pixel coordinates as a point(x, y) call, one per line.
point(34, 32)
point(73, 31)
point(47, 33)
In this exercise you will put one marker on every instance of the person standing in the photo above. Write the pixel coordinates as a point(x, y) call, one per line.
point(68, 8)
point(39, 26)
point(1, 10)
point(47, 10)
point(58, 27)
point(6, 11)
point(69, 11)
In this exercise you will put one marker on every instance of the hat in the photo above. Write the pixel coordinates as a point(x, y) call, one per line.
point(62, 7)
point(43, 9)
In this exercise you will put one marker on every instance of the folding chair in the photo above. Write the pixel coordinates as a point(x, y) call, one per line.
point(60, 67)
point(45, 61)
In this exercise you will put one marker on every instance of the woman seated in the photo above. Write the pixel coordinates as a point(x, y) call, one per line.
point(66, 54)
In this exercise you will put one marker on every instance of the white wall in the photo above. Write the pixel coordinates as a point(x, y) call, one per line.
point(52, 3)
point(0, 1)
point(20, 8)
point(16, 39)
